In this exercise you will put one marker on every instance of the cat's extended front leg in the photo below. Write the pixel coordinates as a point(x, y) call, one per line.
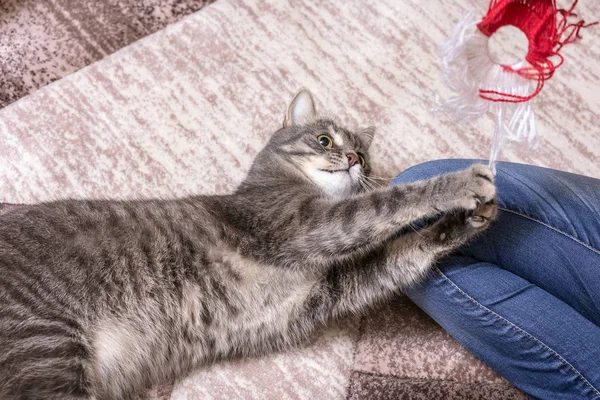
point(332, 231)
point(350, 288)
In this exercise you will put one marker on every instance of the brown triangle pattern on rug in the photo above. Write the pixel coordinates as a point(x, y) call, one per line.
point(383, 387)
point(404, 354)
point(42, 41)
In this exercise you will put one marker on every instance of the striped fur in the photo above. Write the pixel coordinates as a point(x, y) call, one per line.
point(102, 298)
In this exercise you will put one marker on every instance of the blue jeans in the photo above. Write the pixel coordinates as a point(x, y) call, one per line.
point(525, 295)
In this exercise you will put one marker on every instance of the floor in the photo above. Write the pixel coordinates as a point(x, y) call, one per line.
point(185, 109)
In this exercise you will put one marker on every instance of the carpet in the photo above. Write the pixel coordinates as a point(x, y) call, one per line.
point(185, 110)
point(42, 41)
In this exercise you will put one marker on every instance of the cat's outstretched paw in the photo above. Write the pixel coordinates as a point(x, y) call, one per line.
point(482, 216)
point(470, 188)
point(458, 227)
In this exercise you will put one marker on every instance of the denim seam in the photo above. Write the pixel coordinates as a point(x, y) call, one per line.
point(551, 227)
point(504, 320)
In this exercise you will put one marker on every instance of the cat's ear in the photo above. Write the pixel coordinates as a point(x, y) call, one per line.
point(366, 136)
point(301, 108)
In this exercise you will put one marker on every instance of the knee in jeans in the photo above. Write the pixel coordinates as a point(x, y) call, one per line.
point(430, 169)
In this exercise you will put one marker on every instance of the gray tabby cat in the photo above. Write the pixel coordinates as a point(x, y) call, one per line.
point(99, 299)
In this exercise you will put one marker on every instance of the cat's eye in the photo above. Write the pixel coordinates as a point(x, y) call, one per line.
point(325, 141)
point(362, 160)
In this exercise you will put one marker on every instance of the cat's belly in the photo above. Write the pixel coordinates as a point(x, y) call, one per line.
point(252, 316)
point(217, 317)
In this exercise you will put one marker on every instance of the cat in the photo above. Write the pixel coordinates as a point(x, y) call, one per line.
point(99, 299)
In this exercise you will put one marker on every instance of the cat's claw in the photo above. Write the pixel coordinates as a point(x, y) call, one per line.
point(483, 215)
point(457, 227)
point(476, 221)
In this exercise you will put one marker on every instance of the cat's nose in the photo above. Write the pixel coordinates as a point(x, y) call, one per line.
point(352, 159)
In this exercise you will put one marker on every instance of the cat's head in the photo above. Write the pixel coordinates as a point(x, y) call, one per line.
point(315, 150)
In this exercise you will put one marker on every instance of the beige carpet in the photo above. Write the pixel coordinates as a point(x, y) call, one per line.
point(186, 109)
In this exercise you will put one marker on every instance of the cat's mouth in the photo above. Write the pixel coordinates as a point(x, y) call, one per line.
point(332, 171)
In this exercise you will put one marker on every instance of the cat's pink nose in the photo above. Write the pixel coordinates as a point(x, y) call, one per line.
point(352, 159)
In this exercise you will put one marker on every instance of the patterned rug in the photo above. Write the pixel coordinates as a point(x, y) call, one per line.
point(42, 41)
point(186, 110)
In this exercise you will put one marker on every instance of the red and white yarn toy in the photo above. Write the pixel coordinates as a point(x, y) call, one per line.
point(481, 84)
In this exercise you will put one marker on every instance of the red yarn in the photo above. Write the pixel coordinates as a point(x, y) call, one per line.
point(547, 28)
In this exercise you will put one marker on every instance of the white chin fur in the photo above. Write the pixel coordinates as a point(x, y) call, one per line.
point(335, 184)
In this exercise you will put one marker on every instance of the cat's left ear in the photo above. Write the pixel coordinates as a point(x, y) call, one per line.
point(301, 108)
point(366, 136)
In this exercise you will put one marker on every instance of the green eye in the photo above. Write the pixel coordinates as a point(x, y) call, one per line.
point(325, 141)
point(362, 160)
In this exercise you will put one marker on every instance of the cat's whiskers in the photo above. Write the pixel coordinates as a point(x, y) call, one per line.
point(381, 178)
point(372, 182)
point(415, 230)
point(365, 184)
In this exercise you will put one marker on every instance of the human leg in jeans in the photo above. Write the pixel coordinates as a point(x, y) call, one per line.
point(525, 295)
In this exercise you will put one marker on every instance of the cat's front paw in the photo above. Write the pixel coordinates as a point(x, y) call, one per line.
point(471, 188)
point(457, 227)
point(480, 218)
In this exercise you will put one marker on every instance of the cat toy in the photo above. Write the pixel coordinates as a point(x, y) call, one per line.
point(480, 84)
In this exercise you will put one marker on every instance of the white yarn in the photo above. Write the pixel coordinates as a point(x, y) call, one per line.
point(468, 67)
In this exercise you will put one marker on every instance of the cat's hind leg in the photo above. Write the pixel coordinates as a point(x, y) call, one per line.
point(44, 367)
